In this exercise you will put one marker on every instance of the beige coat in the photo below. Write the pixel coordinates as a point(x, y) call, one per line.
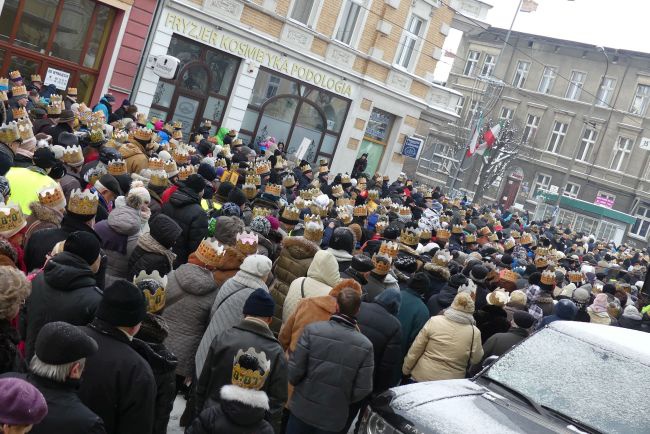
point(441, 349)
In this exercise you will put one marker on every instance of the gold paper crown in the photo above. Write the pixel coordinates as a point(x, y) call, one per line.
point(177, 135)
point(360, 211)
point(470, 238)
point(409, 237)
point(72, 91)
point(250, 191)
point(143, 134)
point(542, 251)
point(56, 99)
point(425, 234)
point(305, 168)
point(541, 262)
point(181, 156)
point(344, 202)
point(12, 219)
point(574, 276)
point(485, 231)
point(178, 125)
point(19, 91)
point(15, 75)
point(73, 156)
point(442, 258)
point(210, 252)
point(387, 202)
point(156, 164)
point(560, 270)
point(389, 248)
point(515, 234)
point(305, 194)
point(508, 276)
point(117, 167)
point(373, 194)
point(96, 135)
point(220, 162)
point(380, 226)
point(345, 179)
point(444, 219)
point(246, 242)
point(36, 78)
point(168, 128)
point(290, 213)
point(428, 193)
point(141, 119)
point(526, 238)
point(4, 96)
point(185, 172)
point(279, 163)
point(382, 264)
point(273, 189)
point(508, 244)
point(83, 202)
point(456, 229)
point(344, 214)
point(155, 301)
point(249, 378)
point(85, 117)
point(260, 211)
point(4, 82)
point(404, 211)
point(289, 181)
point(52, 197)
point(19, 112)
point(170, 168)
point(313, 228)
point(548, 278)
point(263, 168)
point(254, 179)
point(443, 234)
point(25, 128)
point(493, 238)
point(159, 179)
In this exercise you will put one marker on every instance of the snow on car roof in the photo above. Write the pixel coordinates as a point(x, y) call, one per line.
point(628, 343)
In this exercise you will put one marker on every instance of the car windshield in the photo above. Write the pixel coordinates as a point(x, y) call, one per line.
point(598, 388)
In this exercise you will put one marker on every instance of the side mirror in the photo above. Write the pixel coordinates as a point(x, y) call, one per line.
point(487, 362)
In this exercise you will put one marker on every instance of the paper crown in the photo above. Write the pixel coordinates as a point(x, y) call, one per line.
point(290, 215)
point(273, 189)
point(470, 238)
point(542, 251)
point(508, 276)
point(345, 179)
point(541, 262)
point(210, 252)
point(425, 234)
point(428, 193)
point(442, 258)
point(158, 179)
point(360, 211)
point(52, 197)
point(280, 163)
point(305, 194)
point(260, 211)
point(404, 211)
point(509, 244)
point(36, 78)
point(4, 96)
point(181, 156)
point(96, 135)
point(57, 99)
point(548, 278)
point(156, 299)
point(185, 172)
point(220, 162)
point(141, 119)
point(12, 219)
point(170, 168)
point(386, 202)
point(289, 181)
point(344, 202)
point(493, 238)
point(117, 167)
point(142, 134)
point(25, 129)
point(263, 168)
point(156, 164)
point(380, 226)
point(256, 180)
point(444, 219)
point(313, 228)
point(515, 234)
point(83, 202)
point(382, 264)
point(252, 379)
point(178, 125)
point(560, 270)
point(19, 91)
point(389, 248)
point(72, 91)
point(250, 190)
point(305, 168)
point(409, 236)
point(574, 276)
point(19, 112)
point(373, 194)
point(344, 213)
point(526, 239)
point(73, 156)
point(456, 229)
point(485, 231)
point(246, 242)
point(177, 135)
point(443, 234)
point(316, 209)
point(15, 75)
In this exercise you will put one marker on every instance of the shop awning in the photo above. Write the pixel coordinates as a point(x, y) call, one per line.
point(591, 208)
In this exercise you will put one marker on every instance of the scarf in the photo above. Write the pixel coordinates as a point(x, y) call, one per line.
point(349, 321)
point(458, 316)
point(149, 244)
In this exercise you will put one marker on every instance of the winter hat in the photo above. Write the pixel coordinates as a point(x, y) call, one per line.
point(497, 298)
point(523, 319)
point(224, 190)
point(391, 232)
point(44, 158)
point(567, 291)
point(259, 303)
point(257, 265)
point(110, 183)
point(519, 297)
point(362, 263)
point(600, 303)
point(406, 264)
point(609, 288)
point(390, 299)
point(83, 244)
point(164, 155)
point(581, 296)
point(342, 239)
point(231, 209)
point(419, 282)
point(275, 223)
point(463, 302)
point(59, 343)
point(356, 230)
point(237, 196)
point(20, 403)
point(478, 273)
point(261, 225)
point(195, 182)
point(123, 304)
point(207, 171)
point(457, 280)
point(631, 312)
point(140, 191)
point(164, 230)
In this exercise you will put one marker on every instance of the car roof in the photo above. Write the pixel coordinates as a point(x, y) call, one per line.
point(629, 343)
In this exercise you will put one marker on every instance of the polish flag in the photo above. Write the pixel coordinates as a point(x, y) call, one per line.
point(471, 149)
point(489, 137)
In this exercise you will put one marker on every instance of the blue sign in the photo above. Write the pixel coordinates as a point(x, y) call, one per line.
point(412, 147)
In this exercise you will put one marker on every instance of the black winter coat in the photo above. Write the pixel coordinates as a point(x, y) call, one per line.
point(499, 343)
point(491, 320)
point(10, 359)
point(118, 383)
point(442, 300)
point(184, 207)
point(384, 331)
point(630, 323)
point(65, 290)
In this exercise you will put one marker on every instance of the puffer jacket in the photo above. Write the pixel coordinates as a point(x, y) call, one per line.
point(331, 368)
point(294, 260)
point(122, 223)
point(322, 275)
point(134, 156)
point(184, 207)
point(228, 265)
point(190, 293)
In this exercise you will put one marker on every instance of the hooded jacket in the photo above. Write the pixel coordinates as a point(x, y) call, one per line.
point(42, 217)
point(122, 223)
point(190, 293)
point(322, 275)
point(184, 207)
point(64, 291)
point(228, 265)
point(134, 156)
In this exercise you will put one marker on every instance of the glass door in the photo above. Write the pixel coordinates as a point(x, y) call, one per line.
point(186, 109)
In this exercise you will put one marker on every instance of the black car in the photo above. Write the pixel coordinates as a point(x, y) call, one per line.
point(569, 377)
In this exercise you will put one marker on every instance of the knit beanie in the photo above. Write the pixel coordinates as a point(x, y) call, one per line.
point(632, 312)
point(518, 297)
point(123, 304)
point(83, 244)
point(231, 209)
point(457, 280)
point(261, 225)
point(275, 223)
point(600, 303)
point(224, 190)
point(20, 403)
point(419, 282)
point(195, 182)
point(523, 319)
point(257, 265)
point(260, 304)
point(59, 343)
point(207, 171)
point(237, 196)
point(463, 302)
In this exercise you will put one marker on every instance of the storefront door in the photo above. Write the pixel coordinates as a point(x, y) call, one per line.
point(375, 139)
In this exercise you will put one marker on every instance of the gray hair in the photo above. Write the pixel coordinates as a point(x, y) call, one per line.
point(58, 373)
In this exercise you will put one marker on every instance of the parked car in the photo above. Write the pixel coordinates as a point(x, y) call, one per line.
point(569, 377)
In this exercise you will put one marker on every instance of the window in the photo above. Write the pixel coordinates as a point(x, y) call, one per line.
point(587, 144)
point(445, 156)
point(471, 113)
point(575, 85)
point(459, 105)
point(606, 91)
point(641, 99)
point(488, 65)
point(571, 190)
point(350, 16)
point(506, 114)
point(302, 11)
point(622, 152)
point(605, 199)
point(542, 184)
point(548, 78)
point(472, 62)
point(521, 74)
point(642, 224)
point(409, 41)
point(557, 137)
point(530, 131)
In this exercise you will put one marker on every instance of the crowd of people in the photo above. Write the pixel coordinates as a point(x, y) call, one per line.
point(139, 263)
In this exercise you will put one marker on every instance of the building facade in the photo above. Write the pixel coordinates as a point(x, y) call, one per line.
point(580, 110)
point(339, 77)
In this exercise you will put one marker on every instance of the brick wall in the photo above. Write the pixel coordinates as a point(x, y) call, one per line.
point(261, 21)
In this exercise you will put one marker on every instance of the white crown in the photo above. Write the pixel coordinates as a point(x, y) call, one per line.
point(265, 364)
point(247, 238)
point(155, 275)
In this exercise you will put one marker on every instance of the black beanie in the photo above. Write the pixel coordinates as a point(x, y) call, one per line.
point(457, 280)
point(123, 304)
point(391, 232)
point(207, 171)
point(609, 288)
point(237, 196)
point(59, 343)
point(83, 244)
point(224, 190)
point(195, 182)
point(419, 282)
point(342, 239)
point(259, 303)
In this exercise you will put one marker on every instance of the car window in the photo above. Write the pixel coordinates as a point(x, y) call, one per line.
point(602, 389)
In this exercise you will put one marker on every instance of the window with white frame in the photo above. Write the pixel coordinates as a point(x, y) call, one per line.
point(272, 87)
point(642, 225)
point(530, 131)
point(303, 10)
point(557, 137)
point(459, 105)
point(542, 184)
point(548, 78)
point(471, 113)
point(622, 152)
point(641, 100)
point(445, 157)
point(506, 114)
point(488, 65)
point(409, 42)
point(606, 195)
point(521, 74)
point(349, 21)
point(571, 190)
point(472, 62)
point(587, 144)
point(605, 91)
point(575, 85)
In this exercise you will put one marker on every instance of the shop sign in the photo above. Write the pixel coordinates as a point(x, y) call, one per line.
point(57, 77)
point(607, 202)
point(164, 66)
point(645, 143)
point(412, 147)
point(214, 37)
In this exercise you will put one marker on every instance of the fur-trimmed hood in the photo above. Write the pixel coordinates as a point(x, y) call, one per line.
point(442, 273)
point(300, 247)
point(345, 283)
point(249, 397)
point(45, 214)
